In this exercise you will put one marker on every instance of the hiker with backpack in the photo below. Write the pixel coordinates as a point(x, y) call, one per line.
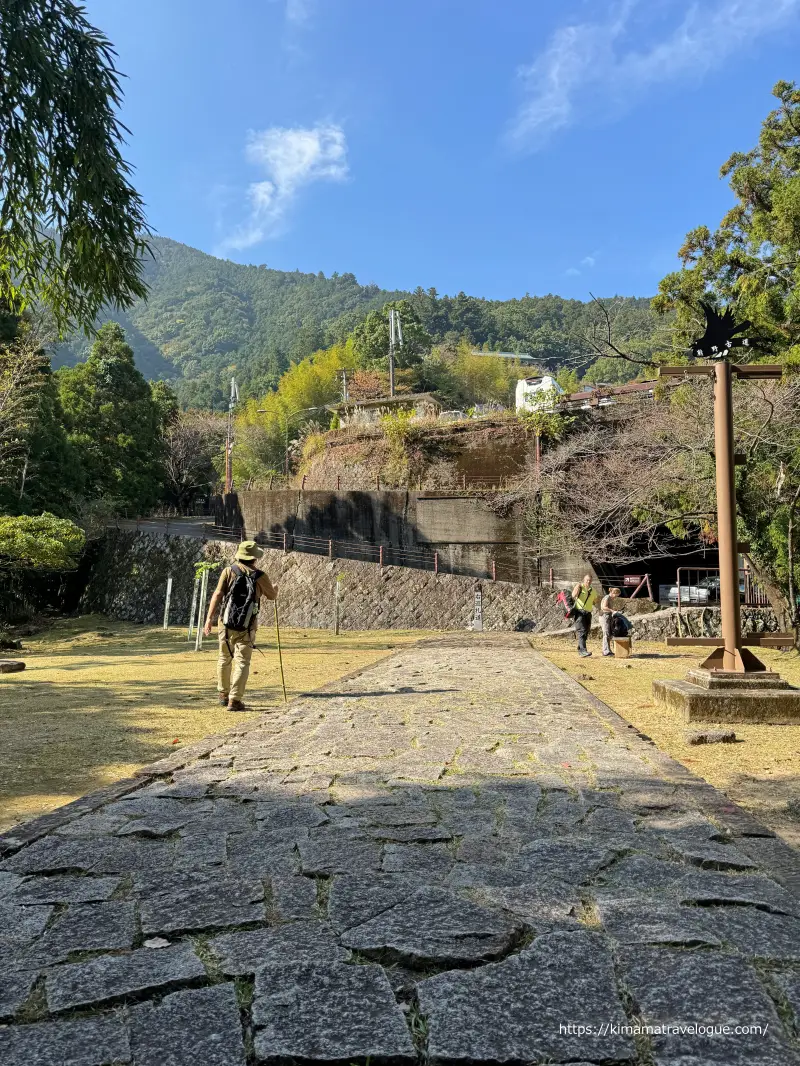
point(583, 600)
point(239, 592)
point(607, 618)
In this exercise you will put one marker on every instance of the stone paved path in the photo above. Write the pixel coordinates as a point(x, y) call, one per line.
point(454, 857)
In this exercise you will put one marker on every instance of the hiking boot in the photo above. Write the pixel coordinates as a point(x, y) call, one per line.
point(222, 699)
point(236, 705)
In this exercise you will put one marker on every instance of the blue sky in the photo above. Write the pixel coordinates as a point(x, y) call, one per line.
point(492, 146)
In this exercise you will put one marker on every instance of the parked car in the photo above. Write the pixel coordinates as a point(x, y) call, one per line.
point(696, 595)
point(704, 592)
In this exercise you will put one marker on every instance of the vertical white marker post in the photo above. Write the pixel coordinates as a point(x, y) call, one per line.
point(193, 611)
point(201, 611)
point(477, 620)
point(166, 602)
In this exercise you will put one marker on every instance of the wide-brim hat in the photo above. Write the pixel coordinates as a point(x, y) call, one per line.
point(248, 551)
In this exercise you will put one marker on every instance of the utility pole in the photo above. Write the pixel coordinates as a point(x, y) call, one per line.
point(234, 399)
point(731, 655)
point(395, 340)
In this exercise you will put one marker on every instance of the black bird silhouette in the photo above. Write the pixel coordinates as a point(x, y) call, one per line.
point(721, 333)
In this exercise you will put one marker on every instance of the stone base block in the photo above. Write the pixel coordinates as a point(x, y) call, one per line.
point(756, 702)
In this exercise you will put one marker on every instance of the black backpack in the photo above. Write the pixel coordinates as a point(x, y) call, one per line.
point(240, 606)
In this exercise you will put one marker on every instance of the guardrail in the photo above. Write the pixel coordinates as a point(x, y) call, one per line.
point(383, 554)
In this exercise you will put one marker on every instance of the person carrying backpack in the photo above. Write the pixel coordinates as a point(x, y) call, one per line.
point(583, 597)
point(606, 619)
point(239, 592)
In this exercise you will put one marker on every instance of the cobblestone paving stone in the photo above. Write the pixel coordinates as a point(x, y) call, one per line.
point(454, 857)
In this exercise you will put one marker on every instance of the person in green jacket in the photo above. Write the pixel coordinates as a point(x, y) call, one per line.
point(583, 598)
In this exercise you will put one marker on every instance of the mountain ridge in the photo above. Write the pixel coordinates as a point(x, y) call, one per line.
point(206, 318)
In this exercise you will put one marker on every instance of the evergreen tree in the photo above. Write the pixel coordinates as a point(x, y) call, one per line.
point(371, 338)
point(114, 423)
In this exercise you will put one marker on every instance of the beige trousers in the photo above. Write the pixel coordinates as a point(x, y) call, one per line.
point(233, 665)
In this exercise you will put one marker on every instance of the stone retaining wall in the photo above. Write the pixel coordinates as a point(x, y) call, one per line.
point(695, 622)
point(128, 581)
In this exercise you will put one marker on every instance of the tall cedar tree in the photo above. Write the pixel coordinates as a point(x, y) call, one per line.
point(114, 423)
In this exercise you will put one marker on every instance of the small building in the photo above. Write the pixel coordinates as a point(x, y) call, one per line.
point(541, 393)
point(370, 412)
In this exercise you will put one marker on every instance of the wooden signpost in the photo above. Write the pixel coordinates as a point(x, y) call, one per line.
point(730, 651)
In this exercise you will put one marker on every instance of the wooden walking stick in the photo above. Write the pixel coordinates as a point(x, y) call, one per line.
point(280, 656)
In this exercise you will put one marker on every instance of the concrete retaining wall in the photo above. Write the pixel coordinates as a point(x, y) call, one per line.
point(466, 532)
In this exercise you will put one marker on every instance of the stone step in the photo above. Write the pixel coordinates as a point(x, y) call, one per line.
point(718, 680)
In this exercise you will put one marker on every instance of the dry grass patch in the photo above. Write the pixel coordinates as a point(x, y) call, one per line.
point(99, 699)
point(760, 771)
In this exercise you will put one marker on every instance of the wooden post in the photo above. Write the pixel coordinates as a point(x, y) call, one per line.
point(436, 562)
point(330, 549)
point(380, 556)
point(731, 656)
point(284, 543)
point(551, 577)
point(494, 570)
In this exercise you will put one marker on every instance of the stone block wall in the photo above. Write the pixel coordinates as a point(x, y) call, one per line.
point(128, 581)
point(700, 622)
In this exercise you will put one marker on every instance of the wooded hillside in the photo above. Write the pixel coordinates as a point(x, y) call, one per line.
point(205, 318)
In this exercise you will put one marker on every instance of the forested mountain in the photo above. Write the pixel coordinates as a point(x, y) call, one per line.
point(205, 318)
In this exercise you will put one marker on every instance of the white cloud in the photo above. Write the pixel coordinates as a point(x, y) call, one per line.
point(587, 263)
point(290, 159)
point(298, 11)
point(597, 69)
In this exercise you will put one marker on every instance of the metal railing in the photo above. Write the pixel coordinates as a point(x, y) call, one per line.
point(383, 554)
point(704, 592)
